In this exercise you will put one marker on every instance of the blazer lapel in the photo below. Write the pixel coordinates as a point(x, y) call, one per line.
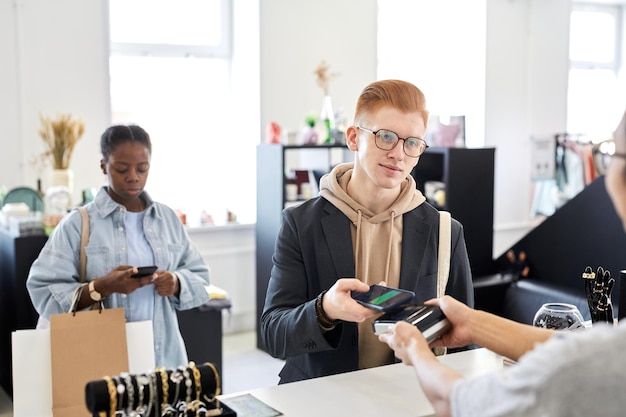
point(415, 236)
point(336, 229)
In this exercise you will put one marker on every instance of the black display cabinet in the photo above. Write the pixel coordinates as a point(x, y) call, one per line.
point(16, 256)
point(467, 175)
point(274, 165)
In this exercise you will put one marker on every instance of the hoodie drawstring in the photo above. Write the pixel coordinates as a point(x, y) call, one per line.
point(358, 239)
point(393, 215)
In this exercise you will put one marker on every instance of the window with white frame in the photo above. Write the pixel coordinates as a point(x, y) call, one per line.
point(595, 85)
point(440, 46)
point(171, 67)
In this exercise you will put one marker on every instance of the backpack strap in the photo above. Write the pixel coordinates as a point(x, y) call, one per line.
point(84, 237)
point(443, 258)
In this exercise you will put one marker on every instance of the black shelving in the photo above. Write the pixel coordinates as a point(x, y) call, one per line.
point(273, 163)
point(468, 178)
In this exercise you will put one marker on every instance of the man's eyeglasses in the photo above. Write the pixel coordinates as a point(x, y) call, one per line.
point(387, 140)
point(603, 154)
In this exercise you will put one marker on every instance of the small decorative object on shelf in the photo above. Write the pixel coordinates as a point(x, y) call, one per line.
point(60, 137)
point(598, 287)
point(273, 133)
point(327, 115)
point(309, 134)
point(518, 267)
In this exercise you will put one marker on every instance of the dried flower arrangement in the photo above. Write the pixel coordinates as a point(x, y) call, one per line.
point(323, 76)
point(60, 136)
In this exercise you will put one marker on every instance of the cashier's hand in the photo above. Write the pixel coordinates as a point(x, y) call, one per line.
point(460, 316)
point(338, 304)
point(407, 342)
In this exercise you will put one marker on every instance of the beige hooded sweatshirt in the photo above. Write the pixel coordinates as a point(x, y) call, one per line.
point(377, 243)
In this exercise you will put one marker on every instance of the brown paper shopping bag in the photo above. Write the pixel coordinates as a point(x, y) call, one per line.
point(84, 346)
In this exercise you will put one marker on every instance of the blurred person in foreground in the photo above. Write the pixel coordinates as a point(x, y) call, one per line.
point(558, 373)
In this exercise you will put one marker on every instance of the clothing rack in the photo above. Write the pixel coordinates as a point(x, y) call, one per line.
point(184, 391)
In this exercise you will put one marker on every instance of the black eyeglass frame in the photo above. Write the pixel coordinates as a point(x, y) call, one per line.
point(375, 133)
point(597, 150)
point(617, 154)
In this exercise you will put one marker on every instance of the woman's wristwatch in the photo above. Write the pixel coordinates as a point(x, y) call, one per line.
point(93, 294)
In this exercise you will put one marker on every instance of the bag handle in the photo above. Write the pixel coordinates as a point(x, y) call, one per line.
point(84, 237)
point(443, 261)
point(444, 252)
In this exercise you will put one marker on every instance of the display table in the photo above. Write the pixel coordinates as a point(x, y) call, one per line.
point(391, 390)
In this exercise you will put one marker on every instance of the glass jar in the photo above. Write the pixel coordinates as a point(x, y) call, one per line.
point(558, 316)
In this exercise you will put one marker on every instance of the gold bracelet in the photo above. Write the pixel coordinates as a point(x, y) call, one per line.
point(112, 396)
point(218, 389)
point(196, 379)
point(164, 388)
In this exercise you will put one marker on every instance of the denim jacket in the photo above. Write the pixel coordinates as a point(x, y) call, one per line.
point(54, 276)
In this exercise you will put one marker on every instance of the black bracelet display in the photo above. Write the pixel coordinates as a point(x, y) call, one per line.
point(326, 322)
point(164, 396)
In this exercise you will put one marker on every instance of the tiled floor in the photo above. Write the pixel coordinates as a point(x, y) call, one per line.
point(6, 408)
point(244, 368)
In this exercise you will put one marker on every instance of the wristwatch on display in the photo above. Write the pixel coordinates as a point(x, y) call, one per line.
point(95, 295)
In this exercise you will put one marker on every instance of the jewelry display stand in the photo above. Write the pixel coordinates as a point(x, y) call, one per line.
point(184, 391)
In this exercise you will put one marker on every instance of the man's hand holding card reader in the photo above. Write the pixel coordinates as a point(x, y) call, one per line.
point(429, 320)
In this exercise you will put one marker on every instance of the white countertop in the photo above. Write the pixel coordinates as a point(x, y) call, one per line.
point(390, 390)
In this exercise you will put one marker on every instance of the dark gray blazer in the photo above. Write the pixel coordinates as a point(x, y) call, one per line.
point(313, 250)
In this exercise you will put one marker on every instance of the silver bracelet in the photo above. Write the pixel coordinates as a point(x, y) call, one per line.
point(176, 377)
point(153, 394)
point(130, 392)
point(121, 389)
point(142, 381)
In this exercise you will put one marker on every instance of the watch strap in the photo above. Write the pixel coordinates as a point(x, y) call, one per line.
point(93, 293)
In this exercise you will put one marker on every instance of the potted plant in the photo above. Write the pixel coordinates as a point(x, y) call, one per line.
point(60, 136)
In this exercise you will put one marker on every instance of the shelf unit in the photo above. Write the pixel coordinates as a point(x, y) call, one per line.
point(468, 178)
point(274, 163)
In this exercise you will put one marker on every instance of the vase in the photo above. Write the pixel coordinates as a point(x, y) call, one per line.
point(327, 116)
point(62, 178)
point(559, 316)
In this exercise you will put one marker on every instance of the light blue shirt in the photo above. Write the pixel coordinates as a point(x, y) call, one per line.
point(139, 254)
point(54, 276)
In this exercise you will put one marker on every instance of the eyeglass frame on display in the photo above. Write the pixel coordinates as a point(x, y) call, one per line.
point(398, 139)
point(610, 154)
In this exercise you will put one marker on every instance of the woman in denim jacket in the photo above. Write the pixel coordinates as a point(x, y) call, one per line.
point(127, 229)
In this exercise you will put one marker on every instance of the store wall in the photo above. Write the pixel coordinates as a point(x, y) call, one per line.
point(53, 61)
point(296, 39)
point(526, 95)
